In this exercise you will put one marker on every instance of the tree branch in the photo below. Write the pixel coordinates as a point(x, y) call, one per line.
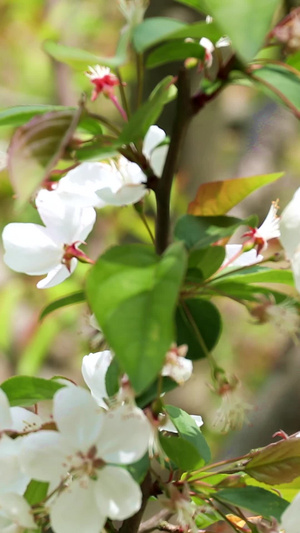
point(184, 113)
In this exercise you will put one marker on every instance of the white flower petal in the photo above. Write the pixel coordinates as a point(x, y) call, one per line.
point(153, 138)
point(245, 259)
point(12, 478)
point(290, 225)
point(57, 275)
point(5, 413)
point(75, 510)
point(295, 262)
point(127, 194)
point(78, 417)
point(117, 494)
point(179, 369)
point(79, 185)
point(43, 456)
point(94, 368)
point(24, 420)
point(65, 223)
point(290, 517)
point(29, 249)
point(16, 509)
point(125, 435)
point(158, 159)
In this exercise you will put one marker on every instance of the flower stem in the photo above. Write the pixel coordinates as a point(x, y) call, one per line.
point(122, 112)
point(184, 113)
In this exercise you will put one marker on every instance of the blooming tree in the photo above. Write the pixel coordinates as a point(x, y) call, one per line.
point(92, 460)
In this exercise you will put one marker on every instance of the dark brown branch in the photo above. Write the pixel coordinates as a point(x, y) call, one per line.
point(184, 113)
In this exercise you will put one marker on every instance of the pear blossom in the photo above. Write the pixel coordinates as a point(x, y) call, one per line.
point(176, 365)
point(15, 514)
point(154, 150)
point(290, 235)
point(103, 80)
point(78, 187)
point(235, 257)
point(79, 459)
point(51, 249)
point(123, 183)
point(94, 367)
point(268, 230)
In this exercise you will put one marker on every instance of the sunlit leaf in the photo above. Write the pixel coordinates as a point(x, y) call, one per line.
point(181, 452)
point(204, 263)
point(27, 390)
point(259, 274)
point(133, 294)
point(36, 147)
point(36, 491)
point(277, 463)
point(19, 115)
point(199, 5)
point(218, 197)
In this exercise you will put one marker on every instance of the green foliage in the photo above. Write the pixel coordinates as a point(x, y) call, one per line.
point(276, 463)
point(200, 232)
point(154, 30)
point(174, 51)
point(256, 500)
point(198, 324)
point(36, 491)
point(76, 297)
point(188, 430)
point(204, 262)
point(133, 295)
point(27, 390)
point(246, 22)
point(149, 112)
point(280, 83)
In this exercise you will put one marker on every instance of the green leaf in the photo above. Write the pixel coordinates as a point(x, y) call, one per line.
point(112, 378)
point(199, 325)
point(139, 469)
point(80, 59)
point(19, 115)
point(76, 297)
point(200, 232)
point(36, 147)
point(36, 492)
point(246, 22)
point(277, 463)
point(204, 263)
point(181, 452)
point(27, 390)
point(196, 31)
point(153, 30)
point(138, 125)
point(95, 151)
point(258, 274)
point(218, 197)
point(243, 291)
point(255, 499)
point(160, 386)
point(199, 5)
point(133, 294)
point(188, 430)
point(174, 51)
point(294, 60)
point(280, 84)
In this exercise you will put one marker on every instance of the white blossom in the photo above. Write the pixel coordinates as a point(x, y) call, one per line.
point(15, 514)
point(35, 250)
point(94, 367)
point(234, 257)
point(290, 234)
point(78, 187)
point(176, 365)
point(83, 454)
point(122, 183)
point(103, 80)
point(290, 517)
point(154, 150)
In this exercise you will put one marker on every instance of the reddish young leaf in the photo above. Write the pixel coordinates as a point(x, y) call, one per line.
point(276, 463)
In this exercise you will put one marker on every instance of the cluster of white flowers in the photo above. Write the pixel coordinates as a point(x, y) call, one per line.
point(68, 212)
